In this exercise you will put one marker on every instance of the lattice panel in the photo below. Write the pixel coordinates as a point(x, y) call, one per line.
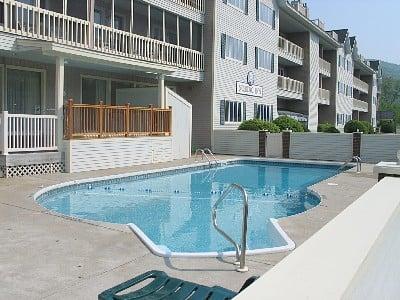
point(30, 170)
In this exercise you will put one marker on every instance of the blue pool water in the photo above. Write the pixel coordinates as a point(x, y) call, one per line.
point(174, 209)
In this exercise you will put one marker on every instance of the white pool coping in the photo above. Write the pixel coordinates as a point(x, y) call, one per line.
point(330, 264)
point(163, 251)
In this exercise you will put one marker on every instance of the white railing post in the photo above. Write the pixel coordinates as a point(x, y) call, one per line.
point(4, 133)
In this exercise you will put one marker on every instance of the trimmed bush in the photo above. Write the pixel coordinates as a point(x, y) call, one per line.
point(327, 128)
point(258, 125)
point(354, 126)
point(387, 126)
point(286, 122)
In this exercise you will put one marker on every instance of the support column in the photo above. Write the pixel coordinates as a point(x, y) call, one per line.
point(59, 100)
point(161, 91)
point(286, 143)
point(262, 144)
point(91, 22)
point(357, 136)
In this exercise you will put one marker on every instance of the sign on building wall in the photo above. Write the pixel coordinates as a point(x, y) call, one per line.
point(249, 90)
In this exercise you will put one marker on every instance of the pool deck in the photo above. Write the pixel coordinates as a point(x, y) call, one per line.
point(47, 256)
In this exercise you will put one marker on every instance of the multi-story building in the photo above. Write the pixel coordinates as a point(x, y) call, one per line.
point(231, 60)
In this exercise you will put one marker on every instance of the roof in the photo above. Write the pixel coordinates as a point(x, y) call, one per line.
point(342, 34)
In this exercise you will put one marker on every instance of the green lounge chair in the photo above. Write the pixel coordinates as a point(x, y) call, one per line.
point(165, 287)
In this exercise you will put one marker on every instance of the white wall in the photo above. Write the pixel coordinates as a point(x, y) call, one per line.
point(236, 142)
point(100, 154)
point(321, 146)
point(181, 125)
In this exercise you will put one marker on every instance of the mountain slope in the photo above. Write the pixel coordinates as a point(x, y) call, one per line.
point(391, 70)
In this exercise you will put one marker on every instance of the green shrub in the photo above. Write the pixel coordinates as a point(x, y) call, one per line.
point(387, 126)
point(369, 129)
point(258, 125)
point(354, 126)
point(286, 122)
point(327, 128)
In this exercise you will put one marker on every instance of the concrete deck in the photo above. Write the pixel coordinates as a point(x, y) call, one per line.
point(45, 256)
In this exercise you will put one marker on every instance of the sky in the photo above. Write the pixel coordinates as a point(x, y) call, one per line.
point(375, 23)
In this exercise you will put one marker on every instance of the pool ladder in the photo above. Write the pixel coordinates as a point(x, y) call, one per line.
point(356, 159)
point(207, 153)
point(240, 249)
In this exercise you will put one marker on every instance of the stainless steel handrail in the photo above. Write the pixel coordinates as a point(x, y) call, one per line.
point(207, 150)
point(240, 250)
point(356, 159)
point(203, 154)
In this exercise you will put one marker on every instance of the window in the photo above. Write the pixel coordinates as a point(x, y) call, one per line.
point(342, 119)
point(119, 22)
point(184, 32)
point(93, 90)
point(171, 31)
point(265, 60)
point(264, 112)
point(349, 91)
point(140, 18)
point(233, 48)
point(234, 112)
point(197, 36)
point(24, 91)
point(265, 14)
point(240, 4)
point(156, 24)
point(282, 72)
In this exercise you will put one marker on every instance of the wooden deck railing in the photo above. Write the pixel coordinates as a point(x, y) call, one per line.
point(102, 121)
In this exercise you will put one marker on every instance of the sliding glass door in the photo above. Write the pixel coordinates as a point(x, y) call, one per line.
point(24, 92)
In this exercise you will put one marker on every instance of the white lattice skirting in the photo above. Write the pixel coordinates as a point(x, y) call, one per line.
point(30, 170)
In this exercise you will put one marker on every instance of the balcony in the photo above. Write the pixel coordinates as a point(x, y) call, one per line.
point(290, 88)
point(361, 85)
point(359, 105)
point(196, 5)
point(290, 51)
point(319, 23)
point(324, 97)
point(38, 23)
point(324, 67)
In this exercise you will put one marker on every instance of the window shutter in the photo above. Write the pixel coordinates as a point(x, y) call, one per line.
point(256, 58)
point(222, 112)
point(273, 63)
point(223, 45)
point(245, 53)
point(244, 111)
point(246, 7)
point(258, 10)
point(273, 19)
point(255, 110)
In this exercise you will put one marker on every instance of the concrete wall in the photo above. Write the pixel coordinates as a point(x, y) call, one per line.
point(236, 142)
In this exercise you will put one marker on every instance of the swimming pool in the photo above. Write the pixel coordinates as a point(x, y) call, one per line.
point(170, 210)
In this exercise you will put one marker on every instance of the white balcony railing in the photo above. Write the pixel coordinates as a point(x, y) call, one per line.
point(197, 5)
point(27, 133)
point(361, 85)
point(290, 85)
point(360, 105)
point(291, 48)
point(324, 96)
point(325, 67)
point(135, 46)
point(31, 21)
point(34, 22)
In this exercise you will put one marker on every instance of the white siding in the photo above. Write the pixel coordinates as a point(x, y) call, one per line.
point(313, 93)
point(237, 24)
point(377, 148)
point(99, 154)
point(181, 125)
point(236, 142)
point(321, 146)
